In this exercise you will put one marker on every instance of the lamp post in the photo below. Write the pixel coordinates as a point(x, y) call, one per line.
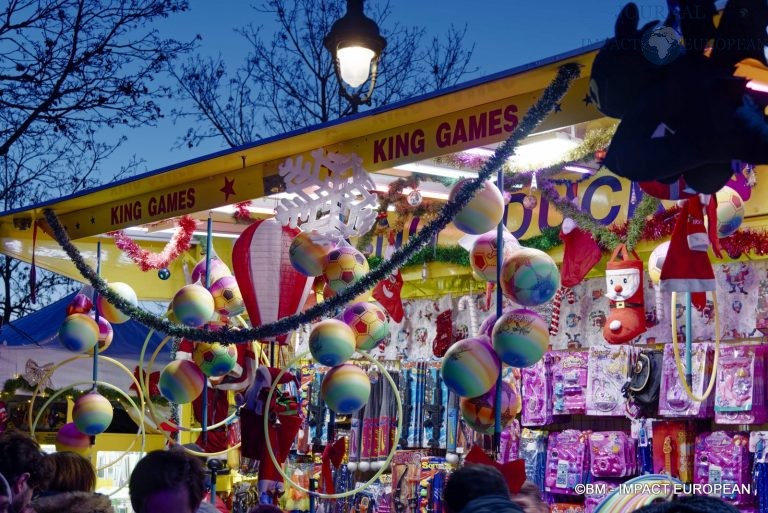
point(355, 45)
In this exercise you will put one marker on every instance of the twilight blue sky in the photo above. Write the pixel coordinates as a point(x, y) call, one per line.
point(506, 33)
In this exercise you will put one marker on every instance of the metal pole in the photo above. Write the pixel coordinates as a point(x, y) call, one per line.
point(688, 338)
point(96, 315)
point(208, 245)
point(499, 299)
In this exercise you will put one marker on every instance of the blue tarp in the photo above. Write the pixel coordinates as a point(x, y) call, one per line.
point(40, 330)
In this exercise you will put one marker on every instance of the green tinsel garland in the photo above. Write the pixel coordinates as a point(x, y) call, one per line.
point(550, 97)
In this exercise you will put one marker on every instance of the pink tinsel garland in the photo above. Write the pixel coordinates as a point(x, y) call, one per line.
point(147, 260)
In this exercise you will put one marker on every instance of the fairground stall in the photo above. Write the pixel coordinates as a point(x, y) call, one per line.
point(557, 269)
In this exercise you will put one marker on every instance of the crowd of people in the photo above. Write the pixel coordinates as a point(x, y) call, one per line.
point(173, 481)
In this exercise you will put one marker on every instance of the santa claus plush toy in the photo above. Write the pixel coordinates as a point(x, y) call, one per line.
point(624, 281)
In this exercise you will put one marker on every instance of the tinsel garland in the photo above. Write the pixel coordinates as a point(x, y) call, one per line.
point(11, 386)
point(146, 260)
point(444, 254)
point(550, 97)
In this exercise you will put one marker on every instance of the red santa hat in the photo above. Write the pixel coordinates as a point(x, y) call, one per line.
point(687, 267)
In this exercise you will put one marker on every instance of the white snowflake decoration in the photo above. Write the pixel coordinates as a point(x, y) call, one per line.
point(334, 195)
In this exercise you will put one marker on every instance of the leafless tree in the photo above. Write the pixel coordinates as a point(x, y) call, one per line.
point(288, 82)
point(70, 70)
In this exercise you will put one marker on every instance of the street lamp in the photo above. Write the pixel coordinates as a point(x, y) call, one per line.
point(355, 45)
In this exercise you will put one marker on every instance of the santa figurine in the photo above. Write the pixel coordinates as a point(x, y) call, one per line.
point(624, 282)
point(284, 423)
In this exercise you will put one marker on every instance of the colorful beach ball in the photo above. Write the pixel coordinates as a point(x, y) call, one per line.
point(656, 262)
point(227, 298)
point(368, 322)
point(345, 389)
point(470, 367)
point(331, 342)
point(81, 303)
point(215, 359)
point(181, 381)
point(480, 414)
point(106, 334)
point(529, 277)
point(730, 212)
point(486, 327)
point(218, 270)
point(69, 438)
point(193, 305)
point(79, 333)
point(483, 212)
point(484, 254)
point(520, 337)
point(308, 251)
point(109, 311)
point(343, 266)
point(92, 413)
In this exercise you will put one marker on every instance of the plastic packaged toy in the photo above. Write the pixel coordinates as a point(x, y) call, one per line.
point(569, 382)
point(722, 459)
point(673, 401)
point(607, 372)
point(533, 450)
point(673, 449)
point(567, 461)
point(612, 454)
point(537, 393)
point(740, 394)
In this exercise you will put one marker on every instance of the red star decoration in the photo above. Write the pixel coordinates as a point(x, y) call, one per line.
point(228, 189)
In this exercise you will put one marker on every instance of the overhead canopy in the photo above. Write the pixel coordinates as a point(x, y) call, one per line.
point(394, 141)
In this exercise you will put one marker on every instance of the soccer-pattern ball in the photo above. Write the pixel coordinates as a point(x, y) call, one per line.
point(227, 298)
point(215, 359)
point(529, 277)
point(484, 254)
point(730, 212)
point(656, 261)
point(368, 322)
point(344, 266)
point(480, 415)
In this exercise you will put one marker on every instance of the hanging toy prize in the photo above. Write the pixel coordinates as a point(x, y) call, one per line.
point(624, 281)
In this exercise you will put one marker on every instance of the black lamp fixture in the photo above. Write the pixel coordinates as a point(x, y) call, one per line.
point(355, 44)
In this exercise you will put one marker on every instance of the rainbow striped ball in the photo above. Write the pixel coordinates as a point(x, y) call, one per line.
point(218, 270)
point(331, 342)
point(193, 305)
point(368, 322)
point(109, 311)
point(80, 304)
point(470, 367)
point(520, 337)
point(181, 381)
point(345, 389)
point(343, 266)
point(215, 359)
point(106, 334)
point(92, 414)
point(69, 438)
point(483, 212)
point(79, 333)
point(227, 298)
point(480, 414)
point(308, 251)
point(529, 277)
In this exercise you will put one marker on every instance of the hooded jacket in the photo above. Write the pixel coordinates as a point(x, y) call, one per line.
point(491, 504)
point(73, 502)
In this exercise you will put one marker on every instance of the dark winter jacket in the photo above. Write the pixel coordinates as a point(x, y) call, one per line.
point(491, 504)
point(73, 502)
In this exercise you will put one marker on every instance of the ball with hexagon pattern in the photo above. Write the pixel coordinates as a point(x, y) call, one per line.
point(215, 359)
point(368, 322)
point(479, 412)
point(343, 266)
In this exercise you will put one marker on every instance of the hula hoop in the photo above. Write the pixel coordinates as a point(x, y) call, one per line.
point(145, 382)
point(391, 454)
point(144, 387)
point(679, 363)
point(107, 385)
point(658, 486)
